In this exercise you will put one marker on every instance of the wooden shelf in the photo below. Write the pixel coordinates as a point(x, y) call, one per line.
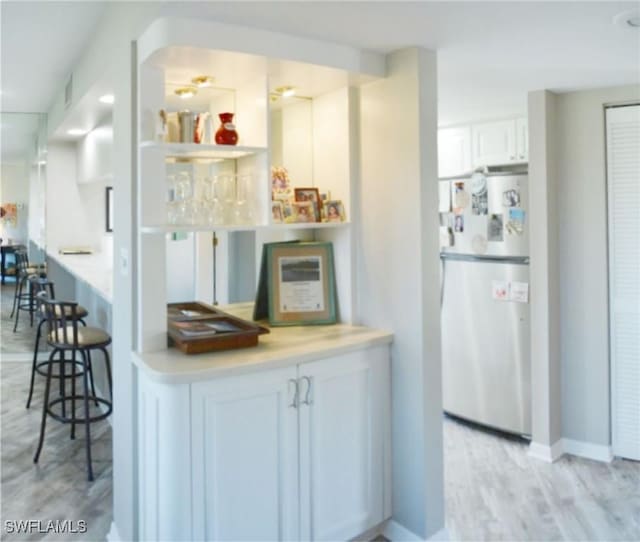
point(201, 151)
point(171, 228)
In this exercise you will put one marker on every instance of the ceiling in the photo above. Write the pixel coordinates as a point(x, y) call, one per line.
point(18, 132)
point(40, 43)
point(490, 54)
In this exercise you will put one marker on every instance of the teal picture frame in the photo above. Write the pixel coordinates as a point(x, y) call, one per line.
point(299, 276)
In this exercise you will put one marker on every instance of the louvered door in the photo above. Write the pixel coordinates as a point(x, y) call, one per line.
point(623, 179)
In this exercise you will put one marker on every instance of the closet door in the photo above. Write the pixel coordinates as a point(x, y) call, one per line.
point(623, 179)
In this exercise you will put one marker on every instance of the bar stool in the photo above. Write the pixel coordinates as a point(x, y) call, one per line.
point(23, 300)
point(43, 287)
point(64, 335)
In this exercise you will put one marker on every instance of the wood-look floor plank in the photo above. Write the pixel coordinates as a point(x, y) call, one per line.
point(495, 491)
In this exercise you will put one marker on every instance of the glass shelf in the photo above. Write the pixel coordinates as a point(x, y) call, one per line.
point(202, 151)
point(175, 228)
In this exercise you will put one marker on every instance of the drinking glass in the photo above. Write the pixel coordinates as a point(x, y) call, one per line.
point(243, 211)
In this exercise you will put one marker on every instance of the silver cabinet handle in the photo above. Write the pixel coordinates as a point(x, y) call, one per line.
point(513, 158)
point(307, 396)
point(295, 400)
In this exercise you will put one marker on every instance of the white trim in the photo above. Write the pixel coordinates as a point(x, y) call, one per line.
point(113, 535)
point(441, 536)
point(397, 533)
point(589, 450)
point(546, 453)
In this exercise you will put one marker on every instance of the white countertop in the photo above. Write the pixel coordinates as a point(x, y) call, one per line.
point(95, 269)
point(284, 346)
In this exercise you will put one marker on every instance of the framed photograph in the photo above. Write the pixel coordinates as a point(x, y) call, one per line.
point(301, 283)
point(334, 211)
point(109, 209)
point(312, 195)
point(303, 211)
point(277, 212)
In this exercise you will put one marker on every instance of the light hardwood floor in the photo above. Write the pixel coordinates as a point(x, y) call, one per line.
point(494, 491)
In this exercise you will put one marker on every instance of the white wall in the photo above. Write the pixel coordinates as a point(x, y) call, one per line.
point(398, 259)
point(582, 250)
point(14, 188)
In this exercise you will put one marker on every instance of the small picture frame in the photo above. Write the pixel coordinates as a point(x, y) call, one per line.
point(334, 211)
point(277, 212)
point(303, 211)
point(287, 212)
point(312, 195)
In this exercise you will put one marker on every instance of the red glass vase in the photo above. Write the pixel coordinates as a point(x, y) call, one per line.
point(226, 134)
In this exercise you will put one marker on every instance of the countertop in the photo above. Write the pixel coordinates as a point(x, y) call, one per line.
point(95, 269)
point(284, 346)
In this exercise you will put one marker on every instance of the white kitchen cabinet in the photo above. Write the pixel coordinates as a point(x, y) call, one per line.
point(500, 143)
point(302, 450)
point(454, 151)
point(95, 154)
point(343, 403)
point(522, 139)
point(494, 143)
point(245, 457)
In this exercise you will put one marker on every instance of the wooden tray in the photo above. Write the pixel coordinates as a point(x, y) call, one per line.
point(194, 317)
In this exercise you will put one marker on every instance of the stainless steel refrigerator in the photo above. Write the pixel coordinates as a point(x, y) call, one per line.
point(485, 300)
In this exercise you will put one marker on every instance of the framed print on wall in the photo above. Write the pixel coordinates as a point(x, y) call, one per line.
point(301, 283)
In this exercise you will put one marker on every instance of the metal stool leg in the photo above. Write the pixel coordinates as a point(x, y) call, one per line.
point(44, 407)
point(62, 377)
point(107, 364)
point(93, 386)
point(17, 308)
point(87, 423)
point(15, 296)
point(73, 400)
point(35, 361)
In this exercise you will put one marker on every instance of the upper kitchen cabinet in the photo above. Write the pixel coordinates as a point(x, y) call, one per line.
point(522, 139)
point(454, 151)
point(499, 143)
point(95, 154)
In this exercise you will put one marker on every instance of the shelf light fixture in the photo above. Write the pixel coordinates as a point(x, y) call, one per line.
point(76, 132)
point(107, 99)
point(203, 81)
point(186, 92)
point(286, 91)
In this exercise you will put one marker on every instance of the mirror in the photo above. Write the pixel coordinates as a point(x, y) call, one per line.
point(23, 155)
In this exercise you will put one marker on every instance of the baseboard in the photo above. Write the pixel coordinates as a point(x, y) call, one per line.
point(546, 453)
point(113, 535)
point(397, 533)
point(588, 450)
point(441, 536)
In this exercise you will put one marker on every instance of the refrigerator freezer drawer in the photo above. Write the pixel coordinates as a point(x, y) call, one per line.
point(485, 346)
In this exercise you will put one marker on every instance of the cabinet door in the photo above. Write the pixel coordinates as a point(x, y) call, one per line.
point(494, 143)
point(245, 457)
point(522, 139)
point(342, 444)
point(454, 151)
